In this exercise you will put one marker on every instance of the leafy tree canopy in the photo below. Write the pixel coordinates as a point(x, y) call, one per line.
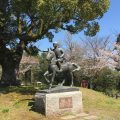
point(30, 20)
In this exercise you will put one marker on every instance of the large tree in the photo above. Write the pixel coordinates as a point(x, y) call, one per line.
point(23, 22)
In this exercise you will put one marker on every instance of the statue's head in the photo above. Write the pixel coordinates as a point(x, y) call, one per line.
point(55, 44)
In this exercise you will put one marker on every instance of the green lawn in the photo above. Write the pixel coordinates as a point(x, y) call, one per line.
point(16, 104)
point(97, 103)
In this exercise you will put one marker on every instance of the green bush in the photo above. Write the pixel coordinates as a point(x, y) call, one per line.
point(107, 81)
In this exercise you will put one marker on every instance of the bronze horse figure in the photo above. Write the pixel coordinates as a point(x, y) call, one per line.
point(53, 69)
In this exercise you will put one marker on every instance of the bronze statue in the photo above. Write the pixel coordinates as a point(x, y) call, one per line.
point(58, 64)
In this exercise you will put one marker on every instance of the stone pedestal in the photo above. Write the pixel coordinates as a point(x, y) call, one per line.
point(50, 103)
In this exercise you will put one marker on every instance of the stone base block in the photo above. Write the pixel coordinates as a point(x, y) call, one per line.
point(59, 103)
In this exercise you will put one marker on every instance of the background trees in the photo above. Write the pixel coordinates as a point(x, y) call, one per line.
point(98, 58)
point(107, 81)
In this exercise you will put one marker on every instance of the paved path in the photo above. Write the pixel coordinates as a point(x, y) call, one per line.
point(81, 116)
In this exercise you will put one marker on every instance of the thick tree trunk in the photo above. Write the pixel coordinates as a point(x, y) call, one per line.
point(10, 65)
point(8, 73)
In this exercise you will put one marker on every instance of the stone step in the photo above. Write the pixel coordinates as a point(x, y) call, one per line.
point(81, 116)
point(68, 117)
point(91, 117)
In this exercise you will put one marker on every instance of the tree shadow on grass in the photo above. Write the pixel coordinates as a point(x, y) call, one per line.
point(32, 105)
point(22, 100)
point(35, 108)
point(24, 90)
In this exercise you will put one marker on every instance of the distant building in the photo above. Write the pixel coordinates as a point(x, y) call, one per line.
point(28, 66)
point(29, 60)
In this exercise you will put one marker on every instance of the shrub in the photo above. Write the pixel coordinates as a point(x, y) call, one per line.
point(107, 81)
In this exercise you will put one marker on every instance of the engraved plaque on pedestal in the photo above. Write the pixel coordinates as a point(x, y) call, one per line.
point(65, 102)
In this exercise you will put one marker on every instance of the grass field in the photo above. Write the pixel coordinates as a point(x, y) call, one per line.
point(17, 104)
point(96, 103)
